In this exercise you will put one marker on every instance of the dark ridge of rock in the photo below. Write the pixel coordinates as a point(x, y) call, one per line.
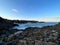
point(6, 27)
point(6, 24)
point(25, 21)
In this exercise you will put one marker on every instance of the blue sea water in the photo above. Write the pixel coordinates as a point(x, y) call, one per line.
point(26, 25)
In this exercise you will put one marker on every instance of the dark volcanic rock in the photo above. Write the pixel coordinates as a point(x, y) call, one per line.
point(25, 21)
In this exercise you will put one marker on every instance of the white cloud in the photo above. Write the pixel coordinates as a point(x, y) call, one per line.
point(14, 10)
point(55, 19)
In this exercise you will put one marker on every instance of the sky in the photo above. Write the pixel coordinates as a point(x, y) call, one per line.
point(40, 10)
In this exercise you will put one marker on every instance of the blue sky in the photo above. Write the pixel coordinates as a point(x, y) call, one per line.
point(41, 10)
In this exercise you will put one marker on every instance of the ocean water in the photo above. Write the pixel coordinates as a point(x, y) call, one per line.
point(26, 25)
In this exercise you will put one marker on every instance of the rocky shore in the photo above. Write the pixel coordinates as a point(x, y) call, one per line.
point(48, 35)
